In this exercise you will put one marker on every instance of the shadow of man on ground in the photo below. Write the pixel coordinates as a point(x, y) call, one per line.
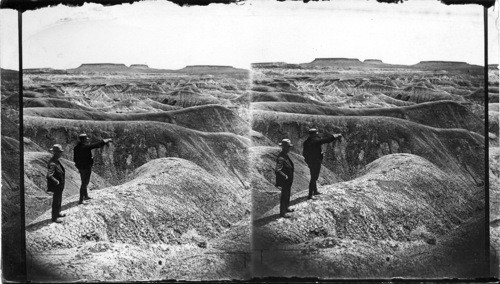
point(35, 226)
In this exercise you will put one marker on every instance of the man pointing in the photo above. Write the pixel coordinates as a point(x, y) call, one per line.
point(314, 156)
point(82, 156)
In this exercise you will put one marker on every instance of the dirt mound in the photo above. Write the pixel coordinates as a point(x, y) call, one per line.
point(478, 96)
point(35, 184)
point(392, 101)
point(136, 105)
point(400, 207)
point(265, 194)
point(419, 95)
point(369, 138)
point(278, 97)
point(443, 114)
point(188, 99)
point(134, 216)
point(208, 118)
point(137, 142)
point(52, 102)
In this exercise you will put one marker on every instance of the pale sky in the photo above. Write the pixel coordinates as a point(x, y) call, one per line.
point(164, 35)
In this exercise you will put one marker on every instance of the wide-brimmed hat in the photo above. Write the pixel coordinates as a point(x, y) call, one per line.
point(313, 130)
point(56, 148)
point(83, 135)
point(286, 141)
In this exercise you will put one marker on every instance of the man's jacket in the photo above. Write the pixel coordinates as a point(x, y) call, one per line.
point(55, 176)
point(82, 154)
point(312, 148)
point(284, 170)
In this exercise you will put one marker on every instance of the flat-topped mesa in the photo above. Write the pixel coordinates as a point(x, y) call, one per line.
point(373, 61)
point(446, 63)
point(333, 62)
point(449, 66)
point(101, 67)
point(139, 66)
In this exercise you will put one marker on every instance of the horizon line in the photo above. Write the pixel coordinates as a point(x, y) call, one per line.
point(250, 64)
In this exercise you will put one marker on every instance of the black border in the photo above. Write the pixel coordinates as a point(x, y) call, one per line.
point(24, 5)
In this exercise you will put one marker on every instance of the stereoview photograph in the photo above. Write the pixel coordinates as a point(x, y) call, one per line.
point(329, 140)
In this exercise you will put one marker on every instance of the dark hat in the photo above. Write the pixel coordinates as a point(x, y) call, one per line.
point(313, 130)
point(286, 141)
point(56, 148)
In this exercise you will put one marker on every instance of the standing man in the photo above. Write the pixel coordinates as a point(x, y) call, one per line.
point(82, 156)
point(313, 156)
point(284, 176)
point(55, 181)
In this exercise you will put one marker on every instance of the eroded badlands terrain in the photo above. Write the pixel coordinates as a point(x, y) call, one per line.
point(186, 189)
point(403, 191)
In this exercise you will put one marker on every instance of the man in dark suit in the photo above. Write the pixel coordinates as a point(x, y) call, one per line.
point(313, 156)
point(284, 176)
point(82, 156)
point(55, 181)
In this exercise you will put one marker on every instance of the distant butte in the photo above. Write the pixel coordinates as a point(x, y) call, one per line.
point(141, 66)
point(373, 61)
point(443, 62)
point(336, 60)
point(102, 65)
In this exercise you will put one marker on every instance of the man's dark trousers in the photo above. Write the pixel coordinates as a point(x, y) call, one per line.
point(314, 169)
point(85, 177)
point(56, 204)
point(285, 198)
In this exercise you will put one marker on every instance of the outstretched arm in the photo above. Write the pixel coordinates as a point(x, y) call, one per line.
point(328, 139)
point(98, 144)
